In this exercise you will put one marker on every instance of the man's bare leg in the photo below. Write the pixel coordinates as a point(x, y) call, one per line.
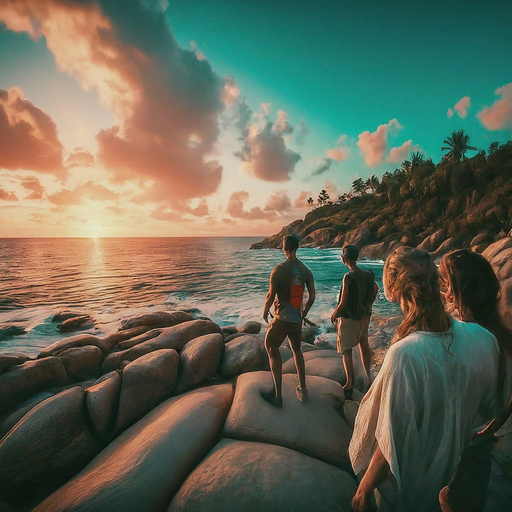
point(298, 357)
point(272, 344)
point(364, 349)
point(348, 363)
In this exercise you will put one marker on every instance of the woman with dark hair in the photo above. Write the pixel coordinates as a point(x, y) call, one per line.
point(436, 383)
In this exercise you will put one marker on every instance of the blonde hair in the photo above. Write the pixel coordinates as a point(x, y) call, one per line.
point(411, 278)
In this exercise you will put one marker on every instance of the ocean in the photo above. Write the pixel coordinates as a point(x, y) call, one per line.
point(116, 278)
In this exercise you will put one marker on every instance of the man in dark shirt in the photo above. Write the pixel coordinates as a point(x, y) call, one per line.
point(286, 292)
point(358, 292)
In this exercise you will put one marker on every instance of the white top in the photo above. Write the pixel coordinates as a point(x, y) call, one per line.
point(432, 391)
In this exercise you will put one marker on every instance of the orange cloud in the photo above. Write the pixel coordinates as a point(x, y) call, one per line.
point(339, 153)
point(400, 153)
point(166, 100)
point(373, 146)
point(80, 158)
point(499, 115)
point(7, 196)
point(28, 136)
point(35, 186)
point(279, 202)
point(236, 209)
point(93, 191)
point(302, 199)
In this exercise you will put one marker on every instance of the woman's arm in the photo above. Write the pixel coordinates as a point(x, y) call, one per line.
point(377, 472)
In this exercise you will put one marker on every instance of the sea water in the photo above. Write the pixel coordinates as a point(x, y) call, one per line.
point(115, 278)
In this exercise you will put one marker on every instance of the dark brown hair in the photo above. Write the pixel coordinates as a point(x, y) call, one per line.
point(411, 278)
point(290, 243)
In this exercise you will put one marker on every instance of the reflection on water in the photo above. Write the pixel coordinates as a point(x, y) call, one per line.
point(114, 277)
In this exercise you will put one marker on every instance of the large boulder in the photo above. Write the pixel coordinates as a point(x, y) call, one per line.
point(143, 468)
point(251, 327)
point(255, 476)
point(287, 353)
point(360, 237)
point(242, 355)
point(135, 340)
point(199, 361)
point(48, 444)
point(24, 380)
point(102, 399)
point(147, 381)
point(110, 341)
point(320, 237)
point(433, 241)
point(157, 319)
point(171, 337)
point(8, 361)
point(316, 428)
point(450, 244)
point(80, 340)
point(81, 362)
point(228, 330)
point(76, 323)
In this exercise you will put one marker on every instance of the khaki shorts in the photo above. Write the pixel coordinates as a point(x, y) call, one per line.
point(350, 332)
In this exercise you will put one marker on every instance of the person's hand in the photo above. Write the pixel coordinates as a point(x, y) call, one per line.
point(265, 316)
point(361, 503)
point(333, 318)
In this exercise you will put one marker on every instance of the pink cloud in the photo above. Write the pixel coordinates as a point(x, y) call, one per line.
point(461, 107)
point(331, 189)
point(499, 115)
point(400, 153)
point(302, 199)
point(80, 158)
point(236, 208)
point(166, 100)
point(373, 145)
point(7, 196)
point(35, 186)
point(339, 153)
point(279, 202)
point(93, 191)
point(282, 125)
point(28, 136)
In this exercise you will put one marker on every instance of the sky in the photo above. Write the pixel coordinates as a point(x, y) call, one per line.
point(221, 118)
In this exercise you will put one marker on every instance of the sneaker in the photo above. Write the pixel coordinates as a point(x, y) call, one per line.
point(302, 394)
point(271, 398)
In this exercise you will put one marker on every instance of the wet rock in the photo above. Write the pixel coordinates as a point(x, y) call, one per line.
point(131, 342)
point(157, 319)
point(171, 337)
point(199, 361)
point(50, 442)
point(22, 381)
point(80, 340)
point(241, 355)
point(251, 327)
point(255, 476)
point(433, 241)
point(146, 382)
point(110, 341)
point(102, 400)
point(76, 323)
point(8, 331)
point(228, 330)
point(154, 456)
point(81, 362)
point(63, 315)
point(316, 428)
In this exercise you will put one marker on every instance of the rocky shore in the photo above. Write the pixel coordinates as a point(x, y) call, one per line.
point(165, 414)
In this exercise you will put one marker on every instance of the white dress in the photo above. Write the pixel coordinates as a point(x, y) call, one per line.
point(432, 391)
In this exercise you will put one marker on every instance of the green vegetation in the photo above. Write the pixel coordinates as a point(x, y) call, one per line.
point(462, 196)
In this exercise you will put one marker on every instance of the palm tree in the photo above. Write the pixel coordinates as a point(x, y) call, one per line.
point(359, 186)
point(457, 144)
point(310, 201)
point(373, 183)
point(323, 197)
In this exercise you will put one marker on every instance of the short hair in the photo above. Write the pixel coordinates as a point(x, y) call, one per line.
point(351, 252)
point(290, 243)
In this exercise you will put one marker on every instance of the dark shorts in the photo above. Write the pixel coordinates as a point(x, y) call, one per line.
point(279, 330)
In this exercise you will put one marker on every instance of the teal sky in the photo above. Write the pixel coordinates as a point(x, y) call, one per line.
point(339, 68)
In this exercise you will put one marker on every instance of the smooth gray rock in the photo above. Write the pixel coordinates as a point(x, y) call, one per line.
point(142, 469)
point(52, 440)
point(157, 319)
point(145, 383)
point(316, 428)
point(241, 355)
point(256, 477)
point(22, 381)
point(81, 362)
point(171, 337)
point(199, 361)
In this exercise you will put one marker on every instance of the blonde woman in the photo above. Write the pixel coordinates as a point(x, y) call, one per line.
point(436, 385)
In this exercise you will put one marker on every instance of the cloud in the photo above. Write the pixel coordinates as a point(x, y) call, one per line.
point(80, 158)
point(461, 107)
point(400, 153)
point(167, 214)
point(201, 210)
point(7, 196)
point(323, 167)
point(35, 186)
point(236, 209)
point(373, 146)
point(301, 133)
point(230, 91)
point(302, 199)
point(266, 156)
point(279, 202)
point(28, 136)
point(93, 191)
point(282, 125)
point(331, 189)
point(499, 115)
point(166, 100)
point(340, 152)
